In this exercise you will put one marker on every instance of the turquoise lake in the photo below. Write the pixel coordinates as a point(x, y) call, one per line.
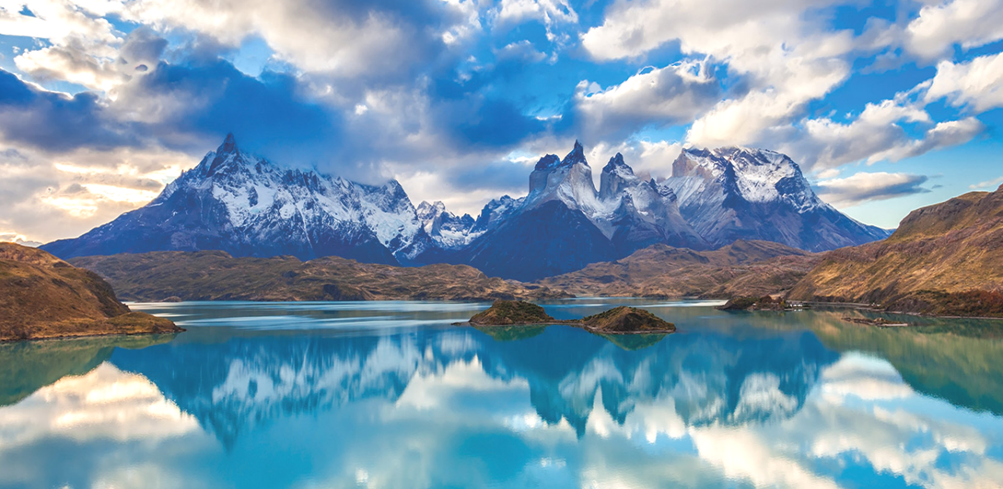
point(390, 395)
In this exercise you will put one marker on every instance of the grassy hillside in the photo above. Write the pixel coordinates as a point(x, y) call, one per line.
point(215, 275)
point(943, 259)
point(752, 268)
point(42, 296)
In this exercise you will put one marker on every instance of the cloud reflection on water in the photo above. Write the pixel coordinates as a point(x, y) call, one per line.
point(454, 407)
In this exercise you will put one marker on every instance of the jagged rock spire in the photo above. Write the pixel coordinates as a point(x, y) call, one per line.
point(229, 145)
point(548, 162)
point(577, 155)
point(617, 162)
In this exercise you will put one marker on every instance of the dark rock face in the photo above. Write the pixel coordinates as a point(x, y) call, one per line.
point(549, 240)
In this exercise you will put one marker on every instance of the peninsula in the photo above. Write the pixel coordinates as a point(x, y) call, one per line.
point(42, 296)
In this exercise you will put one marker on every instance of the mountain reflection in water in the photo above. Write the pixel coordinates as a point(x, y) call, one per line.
point(350, 395)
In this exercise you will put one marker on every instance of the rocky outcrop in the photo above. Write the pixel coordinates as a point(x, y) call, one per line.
point(619, 320)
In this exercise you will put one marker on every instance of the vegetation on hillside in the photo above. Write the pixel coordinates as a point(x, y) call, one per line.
point(764, 303)
point(42, 296)
point(744, 268)
point(945, 259)
point(215, 275)
point(624, 319)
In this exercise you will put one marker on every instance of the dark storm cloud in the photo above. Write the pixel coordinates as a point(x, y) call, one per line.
point(56, 122)
point(268, 114)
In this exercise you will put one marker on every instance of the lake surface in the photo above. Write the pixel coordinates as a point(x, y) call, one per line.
point(388, 394)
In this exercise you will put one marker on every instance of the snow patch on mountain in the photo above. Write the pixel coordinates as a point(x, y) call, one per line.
point(755, 175)
point(448, 230)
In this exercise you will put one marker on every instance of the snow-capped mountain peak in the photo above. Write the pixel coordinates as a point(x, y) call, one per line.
point(448, 230)
point(753, 175)
point(617, 165)
point(615, 177)
point(427, 211)
point(569, 182)
point(744, 193)
point(245, 205)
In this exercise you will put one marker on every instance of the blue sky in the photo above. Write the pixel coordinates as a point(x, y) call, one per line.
point(887, 106)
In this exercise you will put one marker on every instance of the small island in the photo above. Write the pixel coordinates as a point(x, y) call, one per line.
point(619, 320)
point(764, 303)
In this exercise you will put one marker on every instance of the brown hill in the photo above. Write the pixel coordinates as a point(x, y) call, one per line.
point(944, 259)
point(42, 296)
point(744, 268)
point(215, 275)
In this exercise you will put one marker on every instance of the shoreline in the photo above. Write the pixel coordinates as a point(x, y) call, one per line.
point(835, 305)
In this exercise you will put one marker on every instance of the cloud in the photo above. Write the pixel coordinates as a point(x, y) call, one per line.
point(339, 38)
point(520, 51)
point(866, 187)
point(988, 184)
point(546, 11)
point(188, 107)
point(73, 64)
point(943, 135)
point(672, 95)
point(59, 21)
point(877, 134)
point(196, 105)
point(56, 121)
point(969, 23)
point(872, 133)
point(51, 195)
point(94, 64)
point(18, 239)
point(977, 83)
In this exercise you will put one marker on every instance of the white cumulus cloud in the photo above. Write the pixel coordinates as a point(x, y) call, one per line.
point(864, 187)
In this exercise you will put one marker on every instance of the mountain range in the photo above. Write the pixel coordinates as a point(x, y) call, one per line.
point(248, 206)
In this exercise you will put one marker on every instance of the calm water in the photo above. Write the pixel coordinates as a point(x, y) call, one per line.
point(337, 395)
